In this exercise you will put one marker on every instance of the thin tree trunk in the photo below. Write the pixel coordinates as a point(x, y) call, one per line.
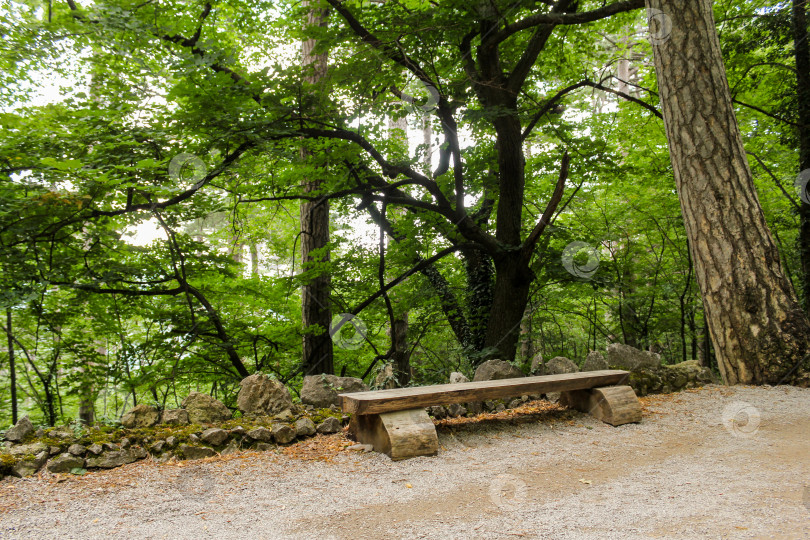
point(802, 50)
point(12, 368)
point(254, 259)
point(759, 331)
point(316, 312)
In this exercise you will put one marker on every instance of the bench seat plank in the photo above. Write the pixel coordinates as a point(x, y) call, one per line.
point(382, 401)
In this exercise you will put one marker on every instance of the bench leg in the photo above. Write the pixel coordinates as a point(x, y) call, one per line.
point(400, 434)
point(615, 405)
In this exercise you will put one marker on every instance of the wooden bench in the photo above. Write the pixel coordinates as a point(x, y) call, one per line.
point(395, 421)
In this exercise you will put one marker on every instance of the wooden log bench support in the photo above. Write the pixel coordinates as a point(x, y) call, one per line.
point(395, 422)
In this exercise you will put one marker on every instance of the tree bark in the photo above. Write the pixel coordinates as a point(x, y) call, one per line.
point(316, 312)
point(12, 368)
point(759, 331)
point(802, 51)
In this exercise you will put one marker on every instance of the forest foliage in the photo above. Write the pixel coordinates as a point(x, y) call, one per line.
point(188, 119)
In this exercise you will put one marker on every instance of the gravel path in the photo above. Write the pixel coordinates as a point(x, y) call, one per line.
point(714, 463)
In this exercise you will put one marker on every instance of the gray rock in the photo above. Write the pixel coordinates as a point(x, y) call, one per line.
point(625, 357)
point(361, 447)
point(284, 416)
point(231, 448)
point(194, 438)
point(595, 361)
point(283, 434)
point(437, 411)
point(329, 425)
point(500, 408)
point(140, 416)
point(304, 427)
point(456, 409)
point(238, 431)
point(157, 447)
point(458, 377)
point(110, 460)
point(25, 449)
point(260, 396)
point(214, 436)
point(474, 407)
point(515, 403)
point(264, 447)
point(77, 449)
point(54, 450)
point(537, 364)
point(175, 417)
point(22, 429)
point(666, 379)
point(203, 409)
point(95, 449)
point(61, 433)
point(493, 370)
point(64, 463)
point(171, 441)
point(322, 391)
point(125, 442)
point(196, 452)
point(261, 434)
point(29, 466)
point(138, 452)
point(559, 365)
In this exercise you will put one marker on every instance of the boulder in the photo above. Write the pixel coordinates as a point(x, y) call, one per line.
point(231, 448)
point(283, 434)
point(26, 449)
point(171, 441)
point(666, 379)
point(110, 459)
point(65, 462)
point(456, 409)
point(175, 417)
point(214, 436)
point(203, 409)
point(284, 416)
point(261, 434)
point(22, 429)
point(329, 425)
point(322, 391)
point(95, 449)
point(493, 370)
point(196, 452)
point(140, 416)
point(261, 396)
point(157, 446)
point(30, 465)
point(437, 411)
point(595, 361)
point(304, 427)
point(77, 450)
point(458, 377)
point(537, 365)
point(559, 365)
point(622, 356)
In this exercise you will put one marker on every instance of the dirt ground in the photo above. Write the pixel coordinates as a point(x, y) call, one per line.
point(711, 463)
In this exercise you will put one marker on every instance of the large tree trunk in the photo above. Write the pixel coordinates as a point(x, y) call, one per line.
point(760, 333)
point(802, 52)
point(316, 312)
